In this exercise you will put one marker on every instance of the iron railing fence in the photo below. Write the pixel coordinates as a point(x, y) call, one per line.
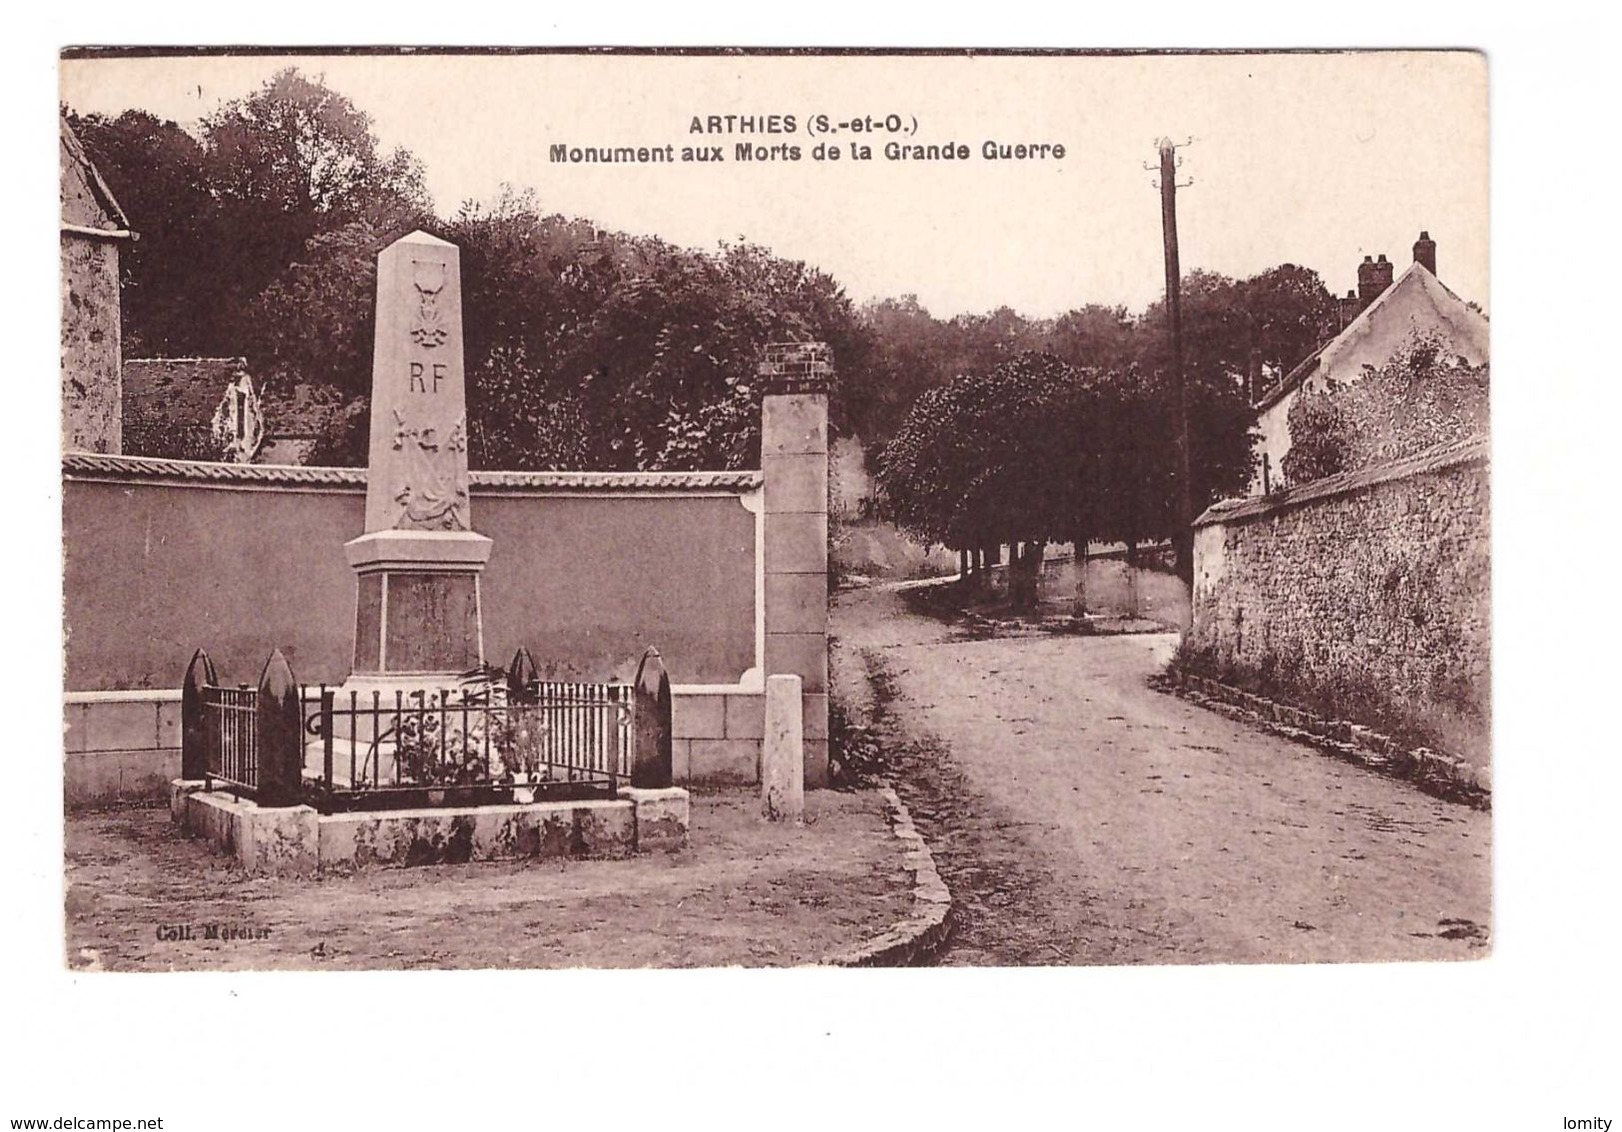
point(467, 745)
point(494, 738)
point(231, 719)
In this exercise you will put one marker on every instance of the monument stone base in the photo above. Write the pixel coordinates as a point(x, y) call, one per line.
point(418, 622)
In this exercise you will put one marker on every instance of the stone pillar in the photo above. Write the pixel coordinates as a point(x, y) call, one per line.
point(194, 722)
point(782, 758)
point(794, 460)
point(651, 745)
point(418, 619)
point(280, 727)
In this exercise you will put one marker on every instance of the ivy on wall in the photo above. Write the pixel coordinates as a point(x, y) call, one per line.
point(1423, 397)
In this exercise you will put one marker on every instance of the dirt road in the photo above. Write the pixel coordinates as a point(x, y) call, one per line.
point(1080, 817)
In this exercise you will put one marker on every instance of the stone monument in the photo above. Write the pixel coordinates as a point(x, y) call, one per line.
point(417, 616)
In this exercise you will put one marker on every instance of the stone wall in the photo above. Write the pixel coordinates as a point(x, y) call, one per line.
point(1367, 593)
point(91, 382)
point(587, 571)
point(162, 557)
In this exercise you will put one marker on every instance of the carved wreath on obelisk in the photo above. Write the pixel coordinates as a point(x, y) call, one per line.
point(433, 493)
point(427, 328)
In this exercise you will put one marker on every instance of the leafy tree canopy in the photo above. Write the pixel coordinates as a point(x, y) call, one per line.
point(589, 349)
point(224, 214)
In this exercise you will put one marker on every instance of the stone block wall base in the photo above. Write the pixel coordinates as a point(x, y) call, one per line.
point(297, 840)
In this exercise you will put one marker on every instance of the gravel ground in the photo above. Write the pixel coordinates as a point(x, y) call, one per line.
point(1080, 817)
point(745, 892)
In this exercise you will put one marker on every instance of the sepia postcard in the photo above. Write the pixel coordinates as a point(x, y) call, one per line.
point(632, 508)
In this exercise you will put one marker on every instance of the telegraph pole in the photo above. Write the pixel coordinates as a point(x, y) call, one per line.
point(1183, 541)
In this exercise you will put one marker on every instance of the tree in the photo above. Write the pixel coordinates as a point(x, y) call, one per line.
point(1233, 327)
point(912, 351)
point(315, 320)
point(301, 150)
point(908, 357)
point(591, 349)
point(530, 281)
point(583, 349)
point(992, 458)
point(223, 215)
point(289, 164)
point(1290, 312)
point(158, 173)
point(665, 362)
point(1095, 337)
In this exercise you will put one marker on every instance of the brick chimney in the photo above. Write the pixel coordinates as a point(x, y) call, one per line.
point(1373, 277)
point(1425, 252)
point(1348, 308)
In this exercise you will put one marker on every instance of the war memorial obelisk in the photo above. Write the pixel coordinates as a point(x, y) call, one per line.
point(417, 616)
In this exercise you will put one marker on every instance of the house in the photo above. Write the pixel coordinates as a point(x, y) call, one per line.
point(213, 409)
point(191, 409)
point(296, 421)
point(94, 228)
point(1391, 311)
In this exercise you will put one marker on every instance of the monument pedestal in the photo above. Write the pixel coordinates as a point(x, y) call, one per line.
point(418, 622)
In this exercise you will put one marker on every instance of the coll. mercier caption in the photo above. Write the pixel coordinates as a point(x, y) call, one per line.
point(766, 138)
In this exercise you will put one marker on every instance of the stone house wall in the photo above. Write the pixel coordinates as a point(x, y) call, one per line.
point(1370, 588)
point(91, 381)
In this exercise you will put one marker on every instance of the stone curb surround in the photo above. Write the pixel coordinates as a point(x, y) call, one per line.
point(916, 941)
point(87, 465)
point(296, 840)
point(1442, 775)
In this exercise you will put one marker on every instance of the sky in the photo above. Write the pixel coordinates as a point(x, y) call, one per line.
point(1316, 159)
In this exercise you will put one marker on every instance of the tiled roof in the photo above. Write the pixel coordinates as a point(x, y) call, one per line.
point(84, 465)
point(1452, 314)
point(746, 480)
point(1448, 455)
point(182, 392)
point(304, 411)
